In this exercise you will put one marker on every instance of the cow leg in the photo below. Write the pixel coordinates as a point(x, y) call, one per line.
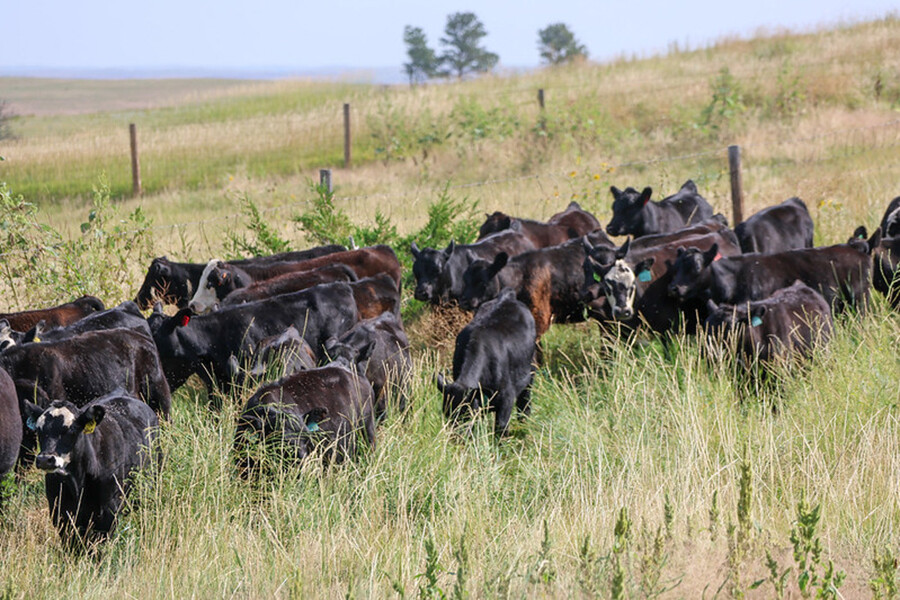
point(504, 405)
point(523, 401)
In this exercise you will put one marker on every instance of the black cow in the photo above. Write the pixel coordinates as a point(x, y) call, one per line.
point(492, 362)
point(636, 282)
point(291, 282)
point(439, 273)
point(785, 226)
point(549, 281)
point(221, 279)
point(126, 315)
point(90, 455)
point(788, 323)
point(389, 364)
point(634, 213)
point(10, 428)
point(204, 344)
point(890, 222)
point(175, 283)
point(840, 273)
point(571, 223)
point(885, 266)
point(327, 406)
point(282, 354)
point(58, 316)
point(88, 365)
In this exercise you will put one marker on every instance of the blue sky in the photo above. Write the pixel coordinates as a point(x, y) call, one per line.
point(302, 36)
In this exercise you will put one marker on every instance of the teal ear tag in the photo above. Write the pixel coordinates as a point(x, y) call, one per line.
point(31, 423)
point(645, 276)
point(312, 426)
point(755, 322)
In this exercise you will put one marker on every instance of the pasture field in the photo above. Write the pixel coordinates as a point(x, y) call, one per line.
point(645, 469)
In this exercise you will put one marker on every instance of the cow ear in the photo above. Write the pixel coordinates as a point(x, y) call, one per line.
point(680, 251)
point(365, 352)
point(623, 249)
point(511, 225)
point(31, 412)
point(860, 233)
point(642, 270)
point(616, 192)
point(89, 419)
point(499, 262)
point(756, 316)
point(689, 186)
point(645, 195)
point(875, 240)
point(183, 317)
point(710, 255)
point(450, 248)
point(414, 249)
point(314, 417)
point(588, 246)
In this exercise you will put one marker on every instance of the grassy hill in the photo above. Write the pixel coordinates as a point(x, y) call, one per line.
point(708, 474)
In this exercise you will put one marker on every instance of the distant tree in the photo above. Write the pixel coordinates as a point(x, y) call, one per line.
point(558, 44)
point(463, 53)
point(423, 62)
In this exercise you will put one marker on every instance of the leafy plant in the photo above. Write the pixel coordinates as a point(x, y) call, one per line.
point(429, 588)
point(621, 536)
point(813, 577)
point(264, 240)
point(726, 105)
point(884, 584)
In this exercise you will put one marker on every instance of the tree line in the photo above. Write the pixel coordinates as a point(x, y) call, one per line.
point(463, 52)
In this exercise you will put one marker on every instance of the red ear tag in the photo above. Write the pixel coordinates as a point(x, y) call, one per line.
point(718, 256)
point(185, 320)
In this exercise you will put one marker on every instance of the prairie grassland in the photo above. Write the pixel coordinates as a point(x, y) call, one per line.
point(657, 430)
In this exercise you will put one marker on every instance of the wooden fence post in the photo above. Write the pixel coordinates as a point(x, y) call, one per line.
point(346, 135)
point(541, 98)
point(737, 186)
point(542, 119)
point(135, 162)
point(325, 178)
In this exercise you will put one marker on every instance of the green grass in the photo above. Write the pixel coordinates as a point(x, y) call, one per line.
point(656, 429)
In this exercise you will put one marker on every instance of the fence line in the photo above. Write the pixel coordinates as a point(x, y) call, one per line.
point(719, 151)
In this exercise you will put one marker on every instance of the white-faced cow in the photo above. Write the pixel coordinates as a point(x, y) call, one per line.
point(90, 455)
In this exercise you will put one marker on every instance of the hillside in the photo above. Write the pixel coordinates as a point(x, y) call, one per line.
point(644, 465)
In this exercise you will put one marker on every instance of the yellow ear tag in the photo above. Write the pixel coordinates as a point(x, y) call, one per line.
point(35, 339)
point(90, 427)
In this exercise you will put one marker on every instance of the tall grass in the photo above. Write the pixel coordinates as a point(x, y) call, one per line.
point(641, 461)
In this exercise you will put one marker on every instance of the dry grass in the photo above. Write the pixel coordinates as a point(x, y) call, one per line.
point(615, 423)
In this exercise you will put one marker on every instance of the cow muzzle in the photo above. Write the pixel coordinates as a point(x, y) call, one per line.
point(51, 463)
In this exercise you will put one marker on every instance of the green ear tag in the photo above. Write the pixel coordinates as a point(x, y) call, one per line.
point(90, 427)
point(597, 277)
point(312, 426)
point(645, 276)
point(755, 322)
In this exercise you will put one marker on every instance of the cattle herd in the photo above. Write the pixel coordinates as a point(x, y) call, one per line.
point(318, 333)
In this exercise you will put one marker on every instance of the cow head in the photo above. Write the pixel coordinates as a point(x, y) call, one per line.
point(216, 282)
point(628, 211)
point(495, 222)
point(459, 402)
point(275, 431)
point(7, 335)
point(60, 429)
point(480, 281)
point(619, 281)
point(428, 268)
point(162, 284)
point(691, 272)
